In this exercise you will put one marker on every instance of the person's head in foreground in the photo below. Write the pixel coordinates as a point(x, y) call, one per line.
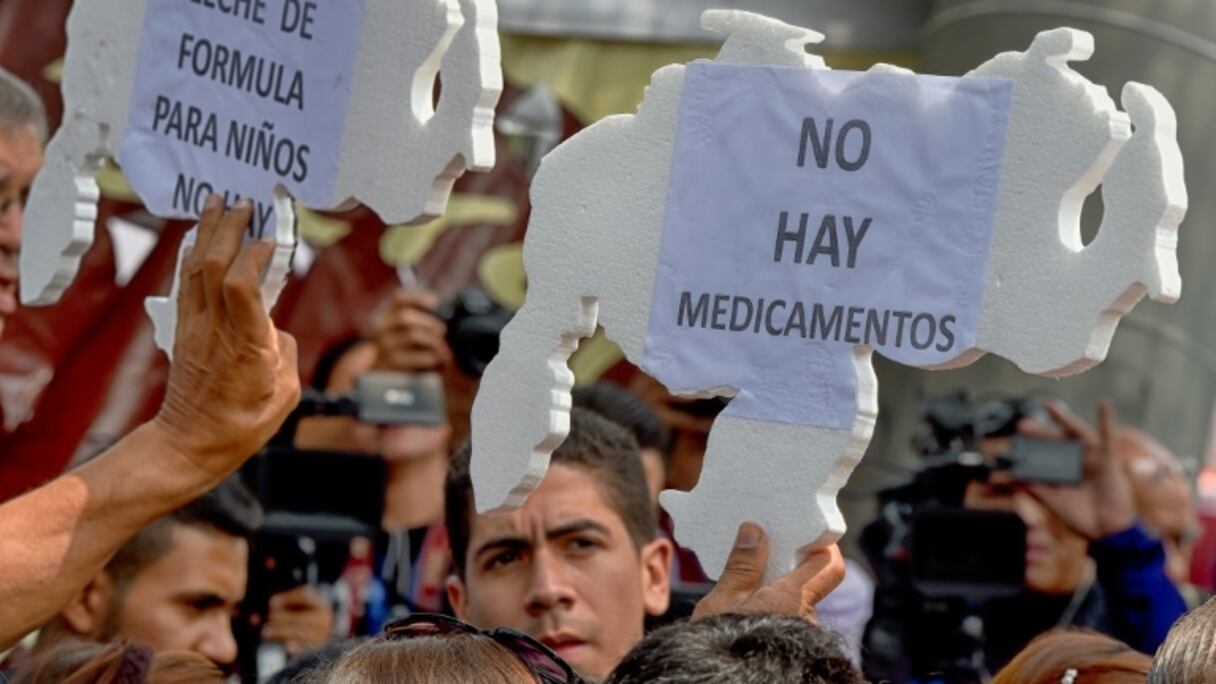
point(175, 585)
point(628, 410)
point(80, 662)
point(578, 566)
point(737, 649)
point(434, 649)
point(1188, 655)
point(1075, 657)
point(22, 135)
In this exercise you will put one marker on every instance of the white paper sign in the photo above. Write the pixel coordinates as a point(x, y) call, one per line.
point(238, 96)
point(811, 211)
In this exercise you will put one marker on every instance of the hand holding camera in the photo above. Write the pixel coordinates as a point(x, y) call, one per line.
point(1103, 503)
point(408, 336)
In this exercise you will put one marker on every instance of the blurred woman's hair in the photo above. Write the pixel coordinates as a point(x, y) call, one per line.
point(1089, 657)
point(82, 662)
point(465, 658)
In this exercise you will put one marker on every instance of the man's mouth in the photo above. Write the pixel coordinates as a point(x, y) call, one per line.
point(565, 645)
point(1036, 553)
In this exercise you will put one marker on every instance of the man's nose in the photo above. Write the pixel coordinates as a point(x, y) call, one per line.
point(1029, 510)
point(548, 588)
point(10, 227)
point(217, 643)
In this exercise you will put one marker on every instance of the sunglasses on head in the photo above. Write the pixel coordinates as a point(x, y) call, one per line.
point(548, 667)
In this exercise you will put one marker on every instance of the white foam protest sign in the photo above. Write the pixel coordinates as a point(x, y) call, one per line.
point(324, 102)
point(762, 224)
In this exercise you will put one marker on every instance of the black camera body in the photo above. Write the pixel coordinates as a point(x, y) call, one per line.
point(474, 322)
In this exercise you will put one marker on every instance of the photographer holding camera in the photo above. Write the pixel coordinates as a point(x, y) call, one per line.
point(1036, 528)
point(400, 567)
point(1125, 567)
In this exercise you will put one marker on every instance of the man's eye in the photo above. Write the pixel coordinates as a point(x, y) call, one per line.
point(205, 604)
point(503, 559)
point(583, 544)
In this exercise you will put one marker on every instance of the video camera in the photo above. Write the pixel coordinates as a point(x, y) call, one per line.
point(474, 322)
point(937, 562)
point(316, 502)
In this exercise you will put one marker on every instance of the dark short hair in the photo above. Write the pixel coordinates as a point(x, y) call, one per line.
point(628, 410)
point(730, 648)
point(229, 509)
point(595, 445)
point(1186, 655)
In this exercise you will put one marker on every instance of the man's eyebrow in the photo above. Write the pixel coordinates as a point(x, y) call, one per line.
point(516, 543)
point(584, 525)
point(502, 543)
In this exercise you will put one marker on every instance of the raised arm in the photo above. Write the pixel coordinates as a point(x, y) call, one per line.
point(232, 383)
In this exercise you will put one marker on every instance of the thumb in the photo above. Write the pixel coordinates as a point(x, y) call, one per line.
point(742, 576)
point(744, 571)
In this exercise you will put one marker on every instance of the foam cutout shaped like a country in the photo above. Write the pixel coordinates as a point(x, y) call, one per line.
point(160, 84)
point(598, 253)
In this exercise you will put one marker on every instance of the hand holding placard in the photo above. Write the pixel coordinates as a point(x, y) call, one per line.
point(234, 377)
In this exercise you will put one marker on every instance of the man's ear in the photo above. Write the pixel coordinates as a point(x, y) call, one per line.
point(458, 597)
point(88, 612)
point(656, 576)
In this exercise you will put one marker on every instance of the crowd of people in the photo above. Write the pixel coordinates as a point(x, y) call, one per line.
point(141, 565)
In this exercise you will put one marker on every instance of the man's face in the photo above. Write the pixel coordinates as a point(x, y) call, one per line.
point(20, 159)
point(186, 599)
point(1056, 557)
point(564, 570)
point(1163, 497)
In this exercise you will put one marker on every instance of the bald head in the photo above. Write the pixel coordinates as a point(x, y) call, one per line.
point(1163, 495)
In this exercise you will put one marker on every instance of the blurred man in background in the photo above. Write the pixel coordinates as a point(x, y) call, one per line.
point(175, 585)
point(1164, 501)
